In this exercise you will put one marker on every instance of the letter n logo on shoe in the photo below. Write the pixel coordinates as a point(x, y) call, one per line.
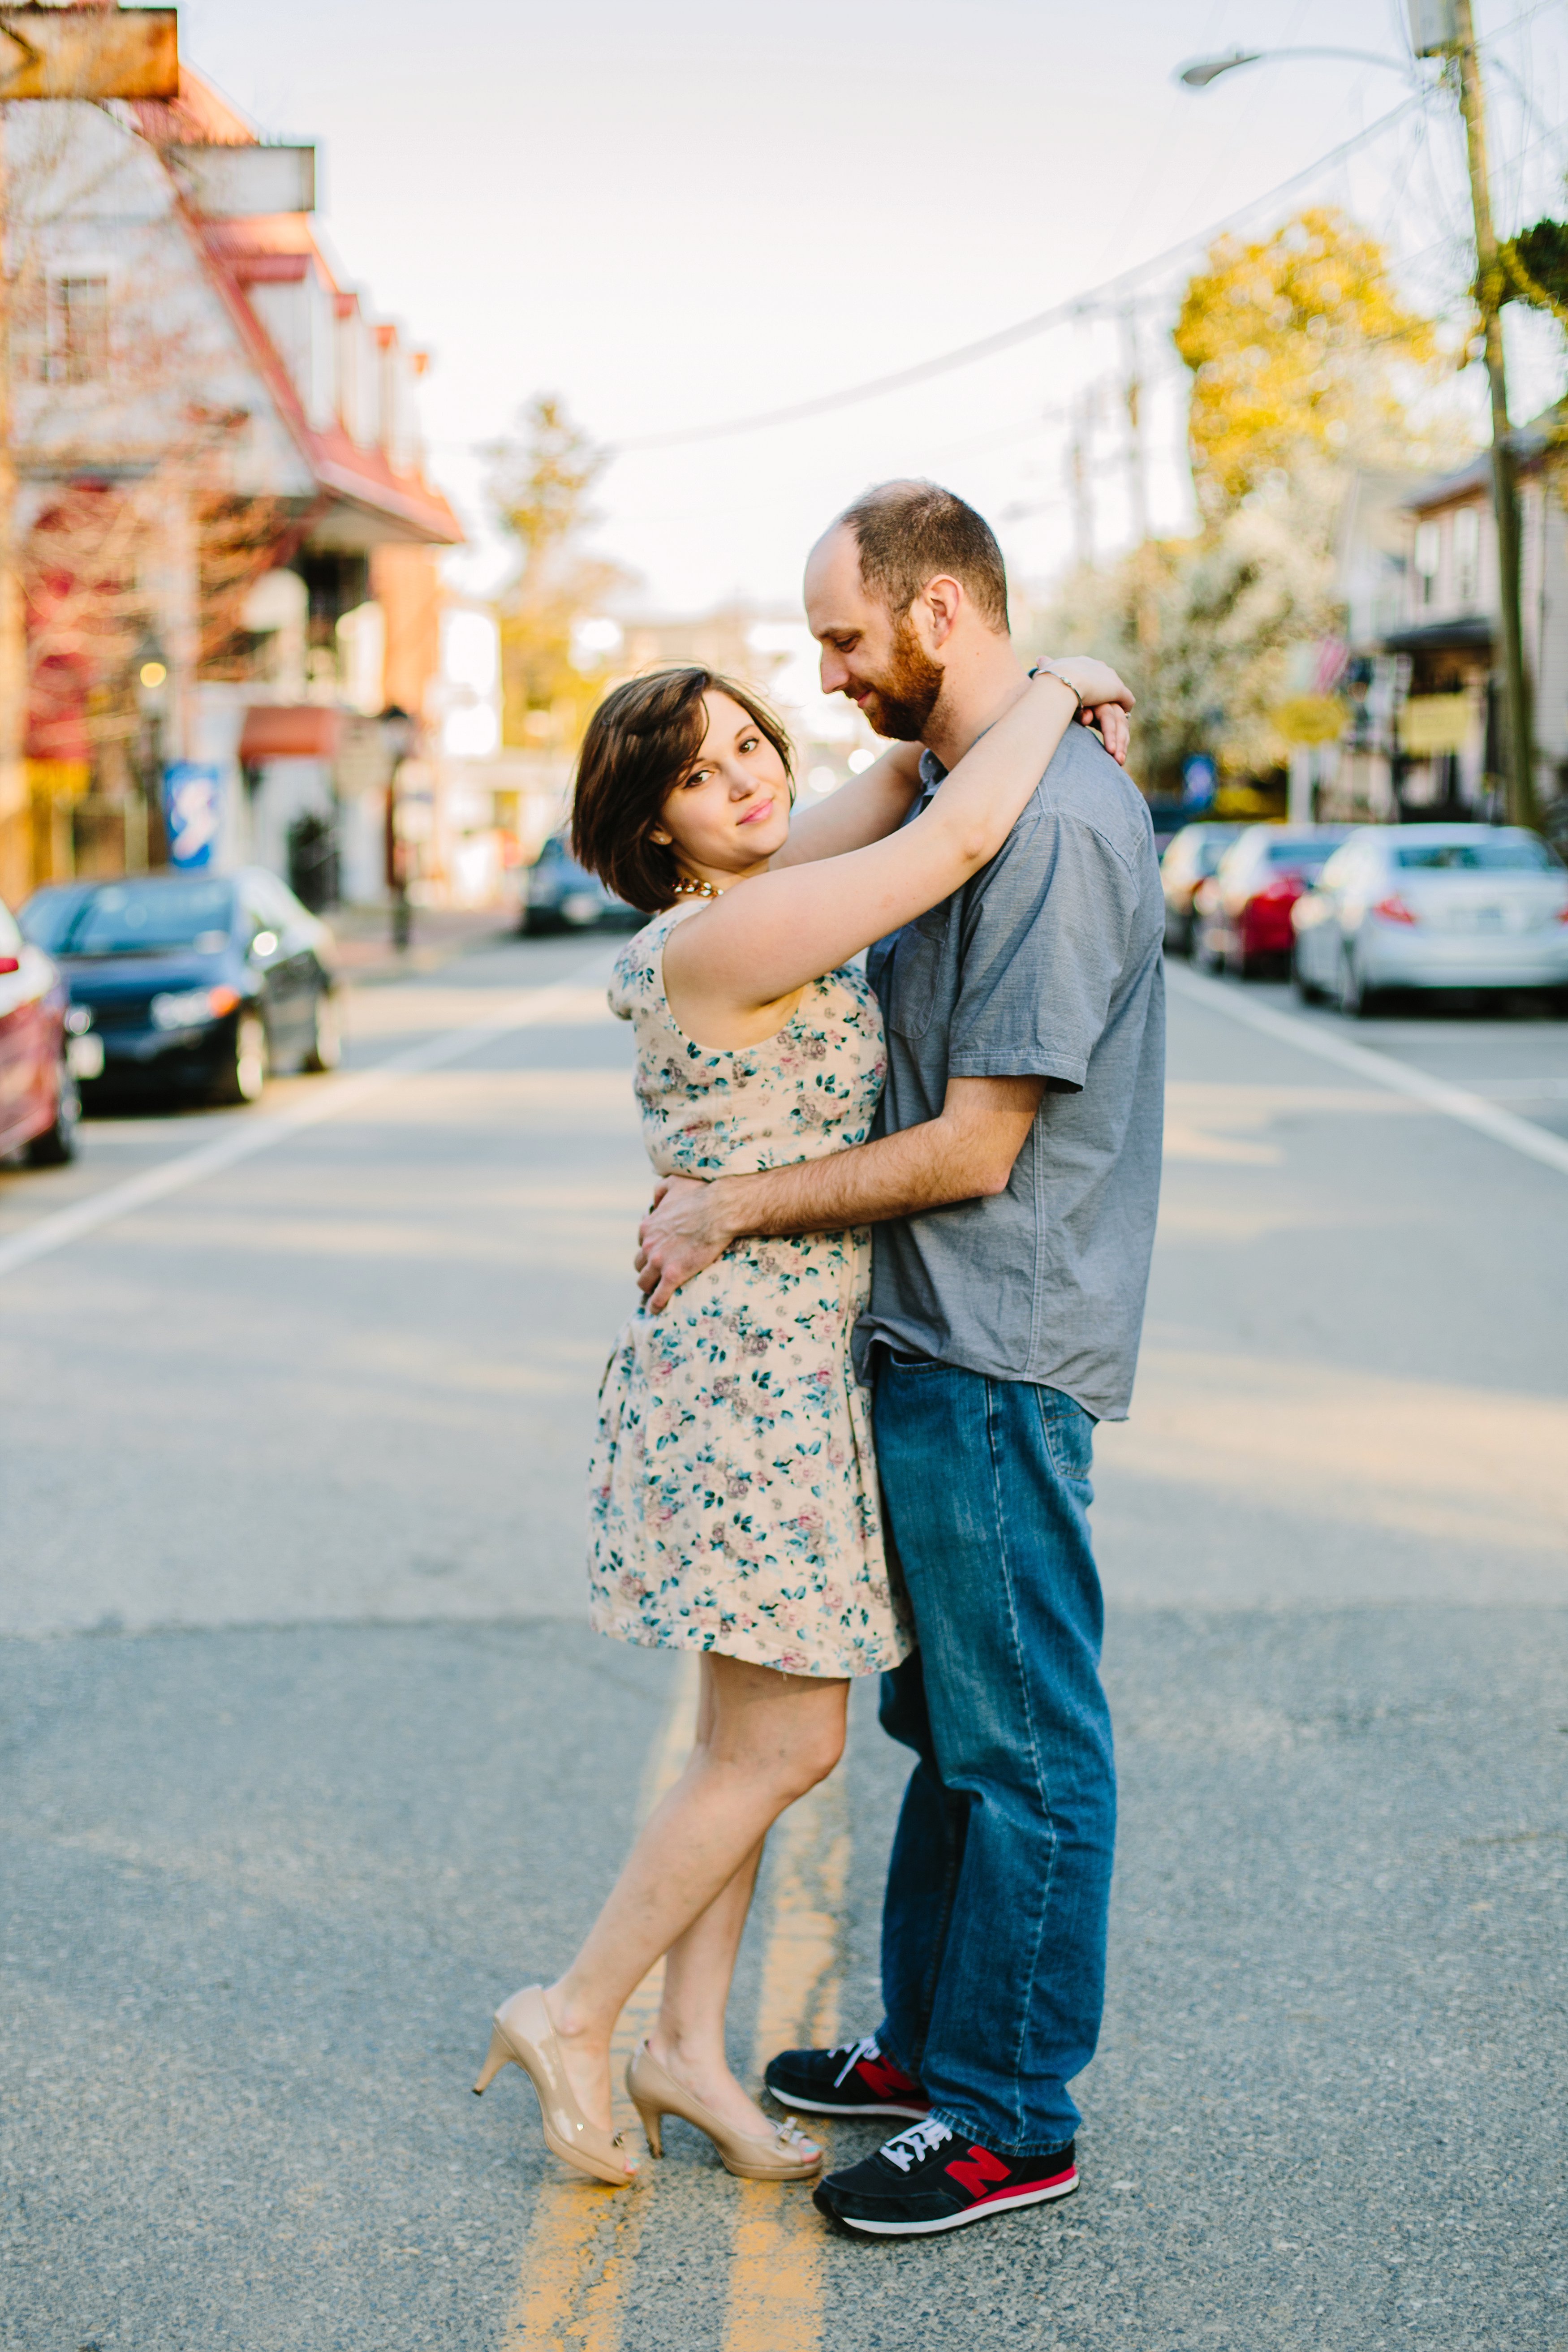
point(979, 2167)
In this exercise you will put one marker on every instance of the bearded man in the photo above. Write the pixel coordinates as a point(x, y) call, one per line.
point(1012, 1184)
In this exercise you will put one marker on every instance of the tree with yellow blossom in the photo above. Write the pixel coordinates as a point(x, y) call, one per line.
point(1303, 360)
point(1306, 364)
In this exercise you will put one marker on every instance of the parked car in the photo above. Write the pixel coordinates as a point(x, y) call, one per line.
point(1242, 914)
point(1191, 857)
point(1433, 905)
point(40, 1106)
point(192, 984)
point(559, 895)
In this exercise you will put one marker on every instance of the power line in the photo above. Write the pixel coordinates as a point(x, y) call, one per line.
point(1007, 337)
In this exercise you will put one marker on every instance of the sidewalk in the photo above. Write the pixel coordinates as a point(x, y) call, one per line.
point(365, 954)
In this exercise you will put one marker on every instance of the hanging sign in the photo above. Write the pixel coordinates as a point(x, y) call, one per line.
point(191, 814)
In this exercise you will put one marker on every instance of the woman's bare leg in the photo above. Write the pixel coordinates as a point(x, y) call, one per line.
point(765, 1737)
point(689, 2038)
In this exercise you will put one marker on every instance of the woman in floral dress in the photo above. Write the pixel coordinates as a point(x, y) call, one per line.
point(733, 1497)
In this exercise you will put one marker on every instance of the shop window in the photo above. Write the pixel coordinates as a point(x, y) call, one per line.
point(79, 331)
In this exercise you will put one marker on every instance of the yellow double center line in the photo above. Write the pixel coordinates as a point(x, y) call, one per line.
point(582, 2248)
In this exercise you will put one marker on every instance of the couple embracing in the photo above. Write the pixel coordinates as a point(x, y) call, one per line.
point(893, 1274)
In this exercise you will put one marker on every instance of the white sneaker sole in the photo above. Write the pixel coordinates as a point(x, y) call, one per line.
point(987, 2206)
point(833, 2107)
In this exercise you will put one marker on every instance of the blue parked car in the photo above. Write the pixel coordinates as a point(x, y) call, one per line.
point(563, 895)
point(195, 985)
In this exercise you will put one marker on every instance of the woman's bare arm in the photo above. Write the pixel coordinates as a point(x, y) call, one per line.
point(866, 809)
point(875, 803)
point(756, 946)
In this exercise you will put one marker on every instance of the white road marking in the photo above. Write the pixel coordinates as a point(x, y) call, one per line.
point(1382, 1069)
point(245, 1136)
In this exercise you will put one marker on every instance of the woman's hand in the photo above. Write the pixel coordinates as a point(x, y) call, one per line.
point(1106, 700)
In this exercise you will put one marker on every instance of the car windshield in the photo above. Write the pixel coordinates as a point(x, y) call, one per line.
point(155, 917)
point(1303, 855)
point(47, 917)
point(1488, 854)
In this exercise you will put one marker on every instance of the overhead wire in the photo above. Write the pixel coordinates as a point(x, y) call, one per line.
point(1023, 331)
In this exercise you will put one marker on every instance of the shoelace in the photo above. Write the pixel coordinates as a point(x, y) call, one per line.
point(867, 2047)
point(911, 2147)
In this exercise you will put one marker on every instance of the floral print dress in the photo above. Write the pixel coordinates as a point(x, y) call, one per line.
point(733, 1497)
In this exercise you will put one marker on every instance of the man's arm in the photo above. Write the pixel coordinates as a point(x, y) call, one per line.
point(964, 1154)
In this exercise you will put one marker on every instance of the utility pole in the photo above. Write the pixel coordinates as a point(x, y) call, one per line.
point(1079, 489)
point(1520, 775)
point(1132, 395)
point(1137, 483)
point(90, 52)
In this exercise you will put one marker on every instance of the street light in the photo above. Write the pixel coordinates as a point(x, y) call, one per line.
point(1203, 70)
point(1445, 29)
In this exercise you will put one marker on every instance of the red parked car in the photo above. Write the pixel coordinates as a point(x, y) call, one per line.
point(1242, 914)
point(40, 1106)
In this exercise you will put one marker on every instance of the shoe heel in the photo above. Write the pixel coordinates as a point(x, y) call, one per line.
point(652, 2120)
point(499, 2056)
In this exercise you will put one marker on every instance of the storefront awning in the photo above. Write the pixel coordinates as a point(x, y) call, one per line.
point(278, 730)
point(1472, 634)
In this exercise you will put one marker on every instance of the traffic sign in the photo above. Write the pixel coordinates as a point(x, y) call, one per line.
point(91, 53)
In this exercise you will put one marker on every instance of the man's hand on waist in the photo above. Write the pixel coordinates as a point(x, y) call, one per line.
point(963, 1154)
point(684, 1231)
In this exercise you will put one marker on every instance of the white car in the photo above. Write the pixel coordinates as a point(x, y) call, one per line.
point(1433, 905)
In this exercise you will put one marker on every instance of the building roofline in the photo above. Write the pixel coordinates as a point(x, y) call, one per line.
point(278, 247)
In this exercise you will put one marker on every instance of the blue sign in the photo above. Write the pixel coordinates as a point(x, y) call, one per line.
point(1198, 779)
point(191, 814)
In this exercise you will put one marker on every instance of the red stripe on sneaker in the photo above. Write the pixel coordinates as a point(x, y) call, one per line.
point(1026, 2188)
point(883, 2080)
point(972, 2171)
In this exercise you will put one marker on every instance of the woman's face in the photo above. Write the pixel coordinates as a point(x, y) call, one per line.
point(729, 811)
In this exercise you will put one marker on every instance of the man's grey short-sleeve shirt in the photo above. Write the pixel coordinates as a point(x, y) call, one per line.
point(1047, 965)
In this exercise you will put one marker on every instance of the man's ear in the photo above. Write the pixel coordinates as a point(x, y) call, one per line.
point(941, 600)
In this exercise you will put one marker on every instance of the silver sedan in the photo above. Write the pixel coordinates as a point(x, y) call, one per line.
point(1433, 905)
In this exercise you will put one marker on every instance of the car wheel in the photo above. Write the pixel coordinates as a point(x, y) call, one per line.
point(57, 1145)
point(326, 1047)
point(245, 1075)
point(1307, 990)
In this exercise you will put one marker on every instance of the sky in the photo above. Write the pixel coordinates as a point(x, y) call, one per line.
point(676, 217)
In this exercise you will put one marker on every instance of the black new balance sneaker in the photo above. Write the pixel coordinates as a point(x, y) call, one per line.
point(926, 2180)
point(854, 2079)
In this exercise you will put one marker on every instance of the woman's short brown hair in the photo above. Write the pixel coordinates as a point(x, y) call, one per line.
point(640, 740)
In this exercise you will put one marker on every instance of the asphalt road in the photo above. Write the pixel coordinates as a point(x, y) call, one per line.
point(307, 1760)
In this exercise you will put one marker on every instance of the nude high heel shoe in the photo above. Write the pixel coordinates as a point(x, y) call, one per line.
point(655, 2094)
point(524, 2036)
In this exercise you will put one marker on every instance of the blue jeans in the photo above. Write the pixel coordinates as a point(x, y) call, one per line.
point(994, 1922)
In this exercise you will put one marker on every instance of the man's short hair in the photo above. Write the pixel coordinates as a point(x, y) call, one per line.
point(909, 532)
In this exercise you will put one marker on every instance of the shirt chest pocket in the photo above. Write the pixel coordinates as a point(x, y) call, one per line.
point(912, 971)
